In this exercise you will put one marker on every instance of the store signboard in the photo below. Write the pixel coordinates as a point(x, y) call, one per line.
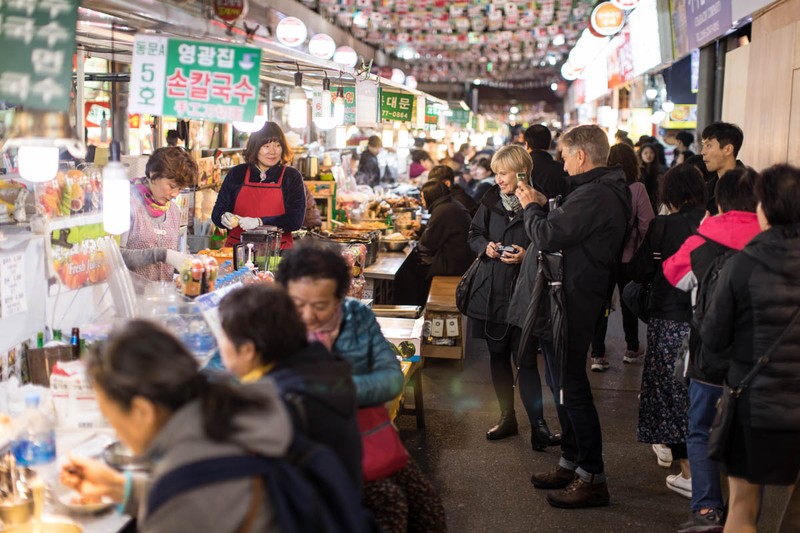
point(95, 112)
point(38, 42)
point(349, 103)
point(229, 10)
point(620, 60)
point(396, 106)
point(366, 103)
point(682, 117)
point(460, 117)
point(606, 19)
point(707, 20)
point(431, 114)
point(194, 80)
point(645, 37)
point(595, 75)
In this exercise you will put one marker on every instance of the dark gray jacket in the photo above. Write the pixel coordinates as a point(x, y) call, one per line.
point(589, 228)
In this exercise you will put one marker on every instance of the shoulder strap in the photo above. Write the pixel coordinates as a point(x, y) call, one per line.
point(764, 359)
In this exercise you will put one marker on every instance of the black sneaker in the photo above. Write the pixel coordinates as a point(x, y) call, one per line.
point(711, 522)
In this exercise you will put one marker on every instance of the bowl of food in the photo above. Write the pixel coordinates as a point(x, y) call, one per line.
point(119, 456)
point(395, 242)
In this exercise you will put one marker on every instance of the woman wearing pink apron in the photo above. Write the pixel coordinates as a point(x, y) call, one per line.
point(262, 191)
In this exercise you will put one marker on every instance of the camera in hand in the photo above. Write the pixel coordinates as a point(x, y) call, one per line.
point(507, 249)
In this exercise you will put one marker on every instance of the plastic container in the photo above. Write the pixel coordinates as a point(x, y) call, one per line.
point(35, 443)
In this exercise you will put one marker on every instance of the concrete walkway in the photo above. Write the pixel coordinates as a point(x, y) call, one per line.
point(486, 485)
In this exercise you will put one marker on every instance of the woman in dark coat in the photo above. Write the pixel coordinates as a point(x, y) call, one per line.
point(756, 299)
point(498, 236)
point(663, 402)
point(651, 173)
point(444, 240)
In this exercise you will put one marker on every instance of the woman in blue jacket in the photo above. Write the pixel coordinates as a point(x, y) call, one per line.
point(317, 279)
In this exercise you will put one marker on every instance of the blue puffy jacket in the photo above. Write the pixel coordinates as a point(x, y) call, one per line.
point(376, 370)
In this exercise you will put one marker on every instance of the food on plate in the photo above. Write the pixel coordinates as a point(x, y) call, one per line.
point(77, 499)
point(395, 237)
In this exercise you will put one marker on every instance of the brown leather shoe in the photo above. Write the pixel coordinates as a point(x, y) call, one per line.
point(580, 494)
point(557, 478)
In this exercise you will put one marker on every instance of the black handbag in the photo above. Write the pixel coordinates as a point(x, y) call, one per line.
point(637, 297)
point(719, 436)
point(464, 287)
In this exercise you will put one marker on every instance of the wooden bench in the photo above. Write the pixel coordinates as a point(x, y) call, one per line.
point(440, 305)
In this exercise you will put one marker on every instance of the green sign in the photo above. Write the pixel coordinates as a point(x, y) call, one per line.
point(396, 106)
point(460, 117)
point(38, 42)
point(349, 104)
point(194, 80)
point(431, 114)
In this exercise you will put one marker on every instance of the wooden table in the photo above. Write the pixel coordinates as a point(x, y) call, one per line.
point(412, 376)
point(382, 274)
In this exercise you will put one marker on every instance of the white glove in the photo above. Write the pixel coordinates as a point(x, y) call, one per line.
point(177, 259)
point(248, 223)
point(230, 221)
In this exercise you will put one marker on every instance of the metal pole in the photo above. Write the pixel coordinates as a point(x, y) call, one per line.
point(719, 77)
point(705, 87)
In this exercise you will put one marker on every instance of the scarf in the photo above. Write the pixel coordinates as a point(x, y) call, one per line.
point(328, 333)
point(154, 209)
point(510, 202)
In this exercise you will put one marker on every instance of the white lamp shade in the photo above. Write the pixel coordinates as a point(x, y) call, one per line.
point(325, 123)
point(322, 46)
point(298, 108)
point(116, 198)
point(387, 137)
point(37, 163)
point(341, 137)
point(651, 93)
point(251, 127)
point(345, 55)
point(291, 32)
point(668, 106)
point(338, 110)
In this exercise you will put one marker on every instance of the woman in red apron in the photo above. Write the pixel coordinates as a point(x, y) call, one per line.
point(262, 191)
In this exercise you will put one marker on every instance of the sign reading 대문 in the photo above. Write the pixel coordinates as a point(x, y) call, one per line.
point(194, 80)
point(38, 41)
point(396, 106)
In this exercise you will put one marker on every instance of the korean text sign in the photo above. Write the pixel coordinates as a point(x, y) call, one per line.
point(396, 106)
point(194, 80)
point(38, 42)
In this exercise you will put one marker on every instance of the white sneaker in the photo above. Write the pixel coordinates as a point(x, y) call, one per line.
point(663, 454)
point(681, 485)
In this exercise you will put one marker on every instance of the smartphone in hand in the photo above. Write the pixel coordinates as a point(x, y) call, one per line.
point(522, 177)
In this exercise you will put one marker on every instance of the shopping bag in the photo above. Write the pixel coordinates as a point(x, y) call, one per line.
point(383, 451)
point(719, 436)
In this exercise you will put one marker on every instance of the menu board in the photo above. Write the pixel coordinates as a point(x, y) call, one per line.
point(12, 285)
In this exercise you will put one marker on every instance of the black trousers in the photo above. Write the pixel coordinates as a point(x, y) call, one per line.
point(581, 438)
point(630, 324)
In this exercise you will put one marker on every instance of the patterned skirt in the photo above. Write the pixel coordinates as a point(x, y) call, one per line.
point(663, 403)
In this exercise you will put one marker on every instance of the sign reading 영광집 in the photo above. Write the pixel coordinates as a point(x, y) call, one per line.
point(38, 42)
point(194, 80)
point(349, 103)
point(396, 106)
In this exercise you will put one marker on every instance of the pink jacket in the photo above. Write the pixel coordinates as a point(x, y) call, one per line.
point(641, 215)
point(733, 229)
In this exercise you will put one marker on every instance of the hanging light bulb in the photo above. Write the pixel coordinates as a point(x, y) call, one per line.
point(298, 104)
point(402, 136)
point(668, 106)
point(651, 93)
point(116, 194)
point(326, 120)
point(338, 107)
point(37, 163)
point(341, 137)
point(387, 136)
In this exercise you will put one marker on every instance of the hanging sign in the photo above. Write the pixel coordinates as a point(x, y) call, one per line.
point(229, 10)
point(322, 46)
point(431, 114)
point(349, 103)
point(460, 117)
point(291, 32)
point(606, 19)
point(194, 80)
point(707, 21)
point(38, 42)
point(367, 103)
point(95, 112)
point(419, 105)
point(396, 106)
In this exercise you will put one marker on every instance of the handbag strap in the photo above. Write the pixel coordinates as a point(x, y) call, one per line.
point(764, 359)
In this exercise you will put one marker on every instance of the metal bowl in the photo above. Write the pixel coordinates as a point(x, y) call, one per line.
point(395, 246)
point(119, 456)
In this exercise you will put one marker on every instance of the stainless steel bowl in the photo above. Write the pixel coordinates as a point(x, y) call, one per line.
point(395, 246)
point(119, 456)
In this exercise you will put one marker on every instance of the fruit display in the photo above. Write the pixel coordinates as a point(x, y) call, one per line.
point(83, 264)
point(70, 192)
point(198, 275)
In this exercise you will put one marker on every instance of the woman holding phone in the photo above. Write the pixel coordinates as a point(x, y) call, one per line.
point(497, 234)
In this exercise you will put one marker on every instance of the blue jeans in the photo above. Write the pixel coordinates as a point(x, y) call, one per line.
point(706, 489)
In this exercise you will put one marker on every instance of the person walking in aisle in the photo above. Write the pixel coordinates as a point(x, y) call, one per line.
point(754, 313)
point(589, 230)
point(547, 175)
point(499, 224)
point(718, 237)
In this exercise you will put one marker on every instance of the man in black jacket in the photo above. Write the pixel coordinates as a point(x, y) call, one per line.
point(547, 175)
point(589, 229)
point(446, 175)
point(369, 170)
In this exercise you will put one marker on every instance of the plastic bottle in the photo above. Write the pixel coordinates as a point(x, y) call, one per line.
point(75, 343)
point(35, 443)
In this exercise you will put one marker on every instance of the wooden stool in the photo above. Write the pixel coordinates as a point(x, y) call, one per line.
point(441, 304)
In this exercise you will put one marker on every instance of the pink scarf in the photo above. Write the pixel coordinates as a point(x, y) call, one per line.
point(328, 333)
point(154, 209)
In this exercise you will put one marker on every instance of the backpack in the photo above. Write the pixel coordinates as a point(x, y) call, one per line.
point(308, 489)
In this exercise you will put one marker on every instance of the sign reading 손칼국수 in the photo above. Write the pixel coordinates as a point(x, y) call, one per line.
point(38, 41)
point(194, 80)
point(396, 106)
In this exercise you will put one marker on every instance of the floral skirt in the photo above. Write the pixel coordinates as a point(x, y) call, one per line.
point(663, 403)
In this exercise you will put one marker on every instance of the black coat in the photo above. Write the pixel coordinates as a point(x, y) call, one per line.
point(548, 176)
point(756, 297)
point(589, 228)
point(369, 169)
point(464, 198)
point(666, 302)
point(445, 238)
point(481, 188)
point(494, 282)
point(318, 389)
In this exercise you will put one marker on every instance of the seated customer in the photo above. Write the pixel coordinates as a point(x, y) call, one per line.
point(444, 240)
point(446, 175)
point(149, 388)
point(263, 337)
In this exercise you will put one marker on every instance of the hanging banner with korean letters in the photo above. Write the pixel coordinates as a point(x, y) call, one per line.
point(194, 80)
point(366, 103)
point(396, 106)
point(38, 41)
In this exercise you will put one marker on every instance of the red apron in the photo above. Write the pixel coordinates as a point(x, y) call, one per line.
point(259, 200)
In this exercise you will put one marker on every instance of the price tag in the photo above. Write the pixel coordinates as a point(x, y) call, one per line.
point(437, 327)
point(452, 327)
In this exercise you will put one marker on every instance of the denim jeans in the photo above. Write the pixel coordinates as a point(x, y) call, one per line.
point(581, 439)
point(706, 489)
